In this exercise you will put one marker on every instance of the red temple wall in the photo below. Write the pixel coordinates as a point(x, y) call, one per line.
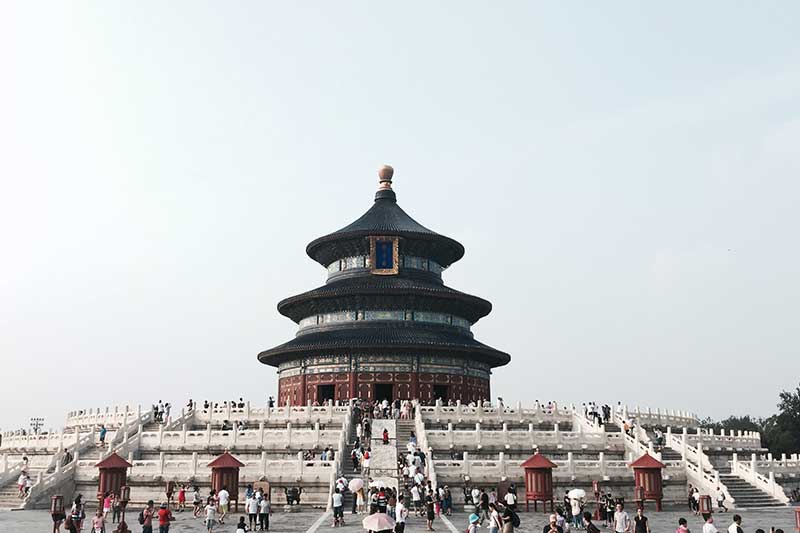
point(301, 389)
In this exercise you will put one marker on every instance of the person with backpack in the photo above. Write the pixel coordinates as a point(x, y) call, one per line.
point(165, 518)
point(146, 517)
point(508, 519)
point(590, 527)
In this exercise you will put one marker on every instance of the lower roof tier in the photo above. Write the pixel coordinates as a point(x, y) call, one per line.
point(382, 337)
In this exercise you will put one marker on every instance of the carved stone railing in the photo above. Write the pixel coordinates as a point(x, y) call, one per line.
point(308, 414)
point(749, 473)
point(510, 439)
point(240, 439)
point(46, 485)
point(422, 442)
point(480, 470)
point(478, 414)
point(110, 417)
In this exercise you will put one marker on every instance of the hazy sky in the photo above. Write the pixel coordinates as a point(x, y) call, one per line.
point(624, 177)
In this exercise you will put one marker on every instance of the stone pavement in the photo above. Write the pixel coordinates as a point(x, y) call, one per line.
point(666, 522)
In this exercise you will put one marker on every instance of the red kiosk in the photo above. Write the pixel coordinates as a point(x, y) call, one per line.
point(113, 479)
point(113, 475)
point(647, 480)
point(539, 481)
point(225, 473)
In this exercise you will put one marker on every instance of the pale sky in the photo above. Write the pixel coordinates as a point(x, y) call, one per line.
point(623, 176)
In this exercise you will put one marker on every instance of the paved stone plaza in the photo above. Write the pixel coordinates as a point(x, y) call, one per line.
point(665, 522)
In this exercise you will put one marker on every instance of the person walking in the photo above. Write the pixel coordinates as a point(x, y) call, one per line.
point(640, 522)
point(622, 521)
point(211, 515)
point(401, 513)
point(430, 512)
point(736, 525)
point(103, 432)
point(165, 518)
point(709, 526)
point(147, 517)
point(223, 498)
point(721, 501)
point(590, 527)
point(494, 519)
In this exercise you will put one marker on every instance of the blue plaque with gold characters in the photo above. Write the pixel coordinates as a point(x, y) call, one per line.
point(384, 256)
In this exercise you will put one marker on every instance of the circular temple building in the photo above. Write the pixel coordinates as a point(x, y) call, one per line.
point(384, 325)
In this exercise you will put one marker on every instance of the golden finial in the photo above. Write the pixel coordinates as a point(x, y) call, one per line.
point(385, 174)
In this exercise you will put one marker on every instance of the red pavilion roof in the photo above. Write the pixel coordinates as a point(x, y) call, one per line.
point(226, 460)
point(538, 460)
point(113, 461)
point(647, 461)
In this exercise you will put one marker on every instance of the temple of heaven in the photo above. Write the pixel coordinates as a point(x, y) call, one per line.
point(384, 325)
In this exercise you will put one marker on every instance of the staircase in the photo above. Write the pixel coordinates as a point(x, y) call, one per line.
point(347, 468)
point(668, 454)
point(745, 495)
point(9, 496)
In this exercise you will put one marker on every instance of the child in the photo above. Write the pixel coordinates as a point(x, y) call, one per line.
point(182, 498)
point(241, 527)
point(99, 522)
point(211, 515)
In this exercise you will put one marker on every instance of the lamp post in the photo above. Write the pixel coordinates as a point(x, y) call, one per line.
point(37, 423)
point(124, 498)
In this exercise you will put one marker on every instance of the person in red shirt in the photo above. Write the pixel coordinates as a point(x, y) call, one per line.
point(164, 518)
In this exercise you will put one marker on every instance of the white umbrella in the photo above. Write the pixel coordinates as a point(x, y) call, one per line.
point(577, 494)
point(378, 522)
point(355, 484)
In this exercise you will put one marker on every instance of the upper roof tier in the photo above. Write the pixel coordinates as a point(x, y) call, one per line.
point(385, 218)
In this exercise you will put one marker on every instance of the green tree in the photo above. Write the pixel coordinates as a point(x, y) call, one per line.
point(782, 431)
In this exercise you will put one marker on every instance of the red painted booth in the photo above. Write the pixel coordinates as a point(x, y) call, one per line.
point(225, 473)
point(113, 475)
point(647, 480)
point(539, 481)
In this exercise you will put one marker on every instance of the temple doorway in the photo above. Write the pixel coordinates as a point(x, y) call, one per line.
point(440, 393)
point(325, 393)
point(383, 391)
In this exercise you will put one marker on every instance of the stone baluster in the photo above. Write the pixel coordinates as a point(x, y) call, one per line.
point(160, 435)
point(501, 460)
point(263, 468)
point(302, 465)
point(556, 433)
point(753, 464)
point(466, 464)
point(437, 409)
point(316, 434)
point(235, 433)
point(330, 411)
point(308, 412)
point(288, 434)
point(261, 433)
point(570, 464)
point(450, 435)
point(5, 463)
point(520, 412)
point(734, 462)
point(530, 435)
point(208, 433)
point(700, 455)
point(684, 435)
point(183, 434)
point(478, 411)
point(228, 411)
point(478, 435)
point(505, 435)
point(288, 411)
point(601, 459)
point(194, 464)
point(61, 441)
point(161, 463)
point(783, 460)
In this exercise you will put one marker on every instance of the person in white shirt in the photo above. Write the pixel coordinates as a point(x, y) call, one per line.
point(252, 512)
point(400, 515)
point(338, 507)
point(223, 497)
point(709, 526)
point(736, 526)
point(511, 500)
point(211, 517)
point(622, 522)
point(263, 514)
point(476, 496)
point(416, 499)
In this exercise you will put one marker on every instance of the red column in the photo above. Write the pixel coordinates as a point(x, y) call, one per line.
point(302, 400)
point(352, 384)
point(415, 386)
